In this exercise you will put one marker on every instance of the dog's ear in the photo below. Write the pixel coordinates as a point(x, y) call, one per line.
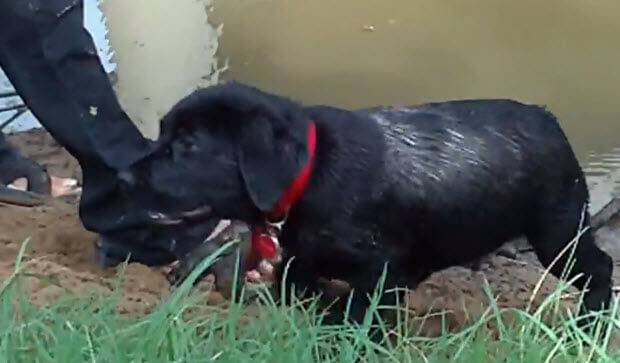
point(269, 131)
point(270, 159)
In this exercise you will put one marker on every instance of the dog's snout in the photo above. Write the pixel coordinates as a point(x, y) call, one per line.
point(111, 250)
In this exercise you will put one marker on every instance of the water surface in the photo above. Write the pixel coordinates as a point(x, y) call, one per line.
point(356, 53)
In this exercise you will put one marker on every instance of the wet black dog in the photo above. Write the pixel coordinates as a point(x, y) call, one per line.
point(421, 188)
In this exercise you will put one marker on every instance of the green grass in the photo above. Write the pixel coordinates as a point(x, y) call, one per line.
point(88, 329)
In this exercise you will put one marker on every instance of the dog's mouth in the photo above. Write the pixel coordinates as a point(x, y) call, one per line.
point(195, 215)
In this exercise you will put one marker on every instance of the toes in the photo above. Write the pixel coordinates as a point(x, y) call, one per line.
point(63, 186)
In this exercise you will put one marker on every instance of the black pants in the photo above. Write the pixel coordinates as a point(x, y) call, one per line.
point(52, 62)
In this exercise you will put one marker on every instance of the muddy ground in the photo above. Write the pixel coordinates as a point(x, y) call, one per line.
point(61, 251)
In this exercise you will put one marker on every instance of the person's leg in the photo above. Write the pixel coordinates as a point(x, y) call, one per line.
point(52, 62)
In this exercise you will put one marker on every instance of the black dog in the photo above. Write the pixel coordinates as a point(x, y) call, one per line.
point(420, 188)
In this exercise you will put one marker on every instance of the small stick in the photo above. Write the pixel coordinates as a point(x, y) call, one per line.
point(12, 108)
point(12, 118)
point(8, 94)
point(609, 211)
point(572, 295)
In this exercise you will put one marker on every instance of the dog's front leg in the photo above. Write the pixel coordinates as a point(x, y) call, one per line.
point(293, 277)
point(365, 286)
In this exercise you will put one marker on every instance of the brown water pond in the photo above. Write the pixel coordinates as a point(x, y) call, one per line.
point(356, 53)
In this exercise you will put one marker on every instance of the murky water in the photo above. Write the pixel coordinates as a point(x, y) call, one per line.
point(355, 53)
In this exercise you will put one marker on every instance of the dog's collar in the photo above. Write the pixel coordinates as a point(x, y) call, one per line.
point(264, 243)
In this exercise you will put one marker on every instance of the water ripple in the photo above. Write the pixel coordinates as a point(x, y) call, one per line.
point(603, 175)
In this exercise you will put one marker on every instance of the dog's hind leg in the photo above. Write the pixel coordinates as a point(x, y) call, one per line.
point(370, 283)
point(557, 225)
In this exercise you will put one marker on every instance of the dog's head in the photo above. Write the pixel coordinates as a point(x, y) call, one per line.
point(227, 151)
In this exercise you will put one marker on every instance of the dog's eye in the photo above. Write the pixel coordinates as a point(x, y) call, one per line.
point(187, 143)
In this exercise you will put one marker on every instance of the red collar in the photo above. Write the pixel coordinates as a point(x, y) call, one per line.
point(264, 244)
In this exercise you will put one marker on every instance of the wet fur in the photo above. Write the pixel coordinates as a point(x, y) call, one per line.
point(421, 188)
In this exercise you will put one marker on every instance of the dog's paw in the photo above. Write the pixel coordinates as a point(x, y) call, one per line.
point(264, 273)
point(222, 272)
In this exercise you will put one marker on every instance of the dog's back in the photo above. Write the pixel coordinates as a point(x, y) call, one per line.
point(448, 182)
point(465, 176)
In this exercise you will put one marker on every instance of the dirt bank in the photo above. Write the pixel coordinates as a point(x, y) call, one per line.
point(62, 251)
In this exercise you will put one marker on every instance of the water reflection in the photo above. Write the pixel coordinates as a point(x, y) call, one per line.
point(355, 53)
point(603, 174)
